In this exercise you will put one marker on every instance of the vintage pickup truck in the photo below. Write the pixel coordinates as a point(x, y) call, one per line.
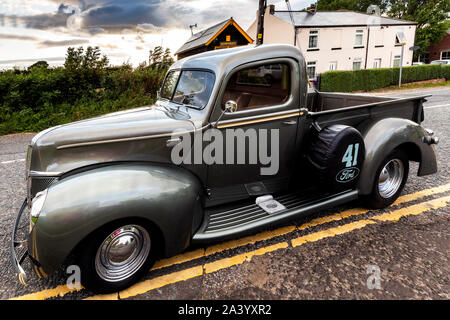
point(121, 190)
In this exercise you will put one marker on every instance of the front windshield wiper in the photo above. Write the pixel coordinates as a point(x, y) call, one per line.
point(175, 111)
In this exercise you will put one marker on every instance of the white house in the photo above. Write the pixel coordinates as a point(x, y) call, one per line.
point(340, 40)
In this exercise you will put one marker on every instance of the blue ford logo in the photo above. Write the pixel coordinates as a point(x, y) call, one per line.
point(347, 174)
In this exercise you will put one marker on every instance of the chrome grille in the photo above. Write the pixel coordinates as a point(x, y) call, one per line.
point(39, 184)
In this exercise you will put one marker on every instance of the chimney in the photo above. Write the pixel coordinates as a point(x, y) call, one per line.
point(272, 9)
point(312, 8)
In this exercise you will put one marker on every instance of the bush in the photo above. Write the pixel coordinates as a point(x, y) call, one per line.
point(370, 79)
point(445, 72)
point(39, 97)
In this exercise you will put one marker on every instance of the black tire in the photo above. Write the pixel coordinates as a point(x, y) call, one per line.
point(87, 260)
point(381, 196)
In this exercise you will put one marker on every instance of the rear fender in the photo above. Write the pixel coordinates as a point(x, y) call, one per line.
point(383, 136)
point(165, 195)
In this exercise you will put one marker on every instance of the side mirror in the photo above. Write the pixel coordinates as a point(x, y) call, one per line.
point(230, 106)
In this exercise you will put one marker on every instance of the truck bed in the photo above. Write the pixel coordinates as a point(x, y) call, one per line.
point(323, 101)
point(350, 109)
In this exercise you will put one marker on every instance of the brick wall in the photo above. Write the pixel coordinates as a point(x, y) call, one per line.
point(443, 45)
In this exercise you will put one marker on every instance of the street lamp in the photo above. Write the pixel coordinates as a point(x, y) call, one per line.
point(401, 38)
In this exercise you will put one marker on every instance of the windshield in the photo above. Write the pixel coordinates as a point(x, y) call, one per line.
point(188, 87)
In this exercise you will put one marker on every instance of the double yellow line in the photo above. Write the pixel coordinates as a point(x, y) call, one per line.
point(174, 277)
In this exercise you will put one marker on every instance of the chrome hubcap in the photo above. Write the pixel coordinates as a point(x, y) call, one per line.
point(122, 253)
point(390, 178)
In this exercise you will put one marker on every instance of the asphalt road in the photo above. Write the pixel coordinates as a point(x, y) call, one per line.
point(398, 253)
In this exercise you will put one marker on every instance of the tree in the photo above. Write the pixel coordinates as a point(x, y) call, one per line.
point(39, 65)
point(353, 5)
point(79, 59)
point(156, 56)
point(431, 17)
point(160, 58)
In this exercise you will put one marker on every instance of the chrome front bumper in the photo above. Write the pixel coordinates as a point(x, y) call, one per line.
point(16, 259)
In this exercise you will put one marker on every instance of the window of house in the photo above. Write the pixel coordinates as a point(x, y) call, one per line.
point(333, 65)
point(311, 69)
point(396, 61)
point(261, 86)
point(445, 55)
point(357, 63)
point(400, 38)
point(359, 37)
point(228, 38)
point(377, 63)
point(313, 39)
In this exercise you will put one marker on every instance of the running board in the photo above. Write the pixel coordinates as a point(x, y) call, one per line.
point(222, 225)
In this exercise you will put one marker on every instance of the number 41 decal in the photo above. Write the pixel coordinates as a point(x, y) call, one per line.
point(350, 158)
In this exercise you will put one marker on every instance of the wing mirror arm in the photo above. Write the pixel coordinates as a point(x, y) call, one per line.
point(230, 107)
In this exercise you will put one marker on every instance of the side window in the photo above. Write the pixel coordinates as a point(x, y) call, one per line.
point(258, 87)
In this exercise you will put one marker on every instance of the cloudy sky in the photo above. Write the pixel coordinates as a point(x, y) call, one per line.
point(125, 30)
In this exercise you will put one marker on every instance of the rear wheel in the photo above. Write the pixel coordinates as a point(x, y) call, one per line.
point(116, 256)
point(390, 179)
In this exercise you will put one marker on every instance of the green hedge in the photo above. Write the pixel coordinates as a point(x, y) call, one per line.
point(370, 79)
point(41, 98)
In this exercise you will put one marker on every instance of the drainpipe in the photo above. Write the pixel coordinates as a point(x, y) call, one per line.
point(367, 47)
point(295, 36)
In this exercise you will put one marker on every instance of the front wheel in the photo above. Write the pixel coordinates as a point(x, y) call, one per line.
point(390, 179)
point(116, 256)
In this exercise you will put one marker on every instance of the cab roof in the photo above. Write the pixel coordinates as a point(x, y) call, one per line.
point(224, 60)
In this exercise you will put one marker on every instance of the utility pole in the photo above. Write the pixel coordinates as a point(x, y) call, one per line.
point(260, 30)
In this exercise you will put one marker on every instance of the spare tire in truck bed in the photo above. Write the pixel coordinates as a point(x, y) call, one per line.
point(337, 153)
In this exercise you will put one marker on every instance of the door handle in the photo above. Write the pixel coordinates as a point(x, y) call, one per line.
point(290, 122)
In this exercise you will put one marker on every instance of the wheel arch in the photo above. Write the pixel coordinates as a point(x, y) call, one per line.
point(388, 134)
point(165, 197)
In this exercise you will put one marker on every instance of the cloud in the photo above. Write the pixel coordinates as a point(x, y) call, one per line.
point(109, 46)
point(94, 17)
point(23, 61)
point(9, 36)
point(94, 31)
point(49, 20)
point(62, 43)
point(148, 27)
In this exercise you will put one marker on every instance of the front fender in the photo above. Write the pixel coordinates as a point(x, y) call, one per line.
point(383, 136)
point(166, 195)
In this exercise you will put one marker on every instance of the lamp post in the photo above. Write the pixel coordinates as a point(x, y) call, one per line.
point(401, 65)
point(402, 40)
